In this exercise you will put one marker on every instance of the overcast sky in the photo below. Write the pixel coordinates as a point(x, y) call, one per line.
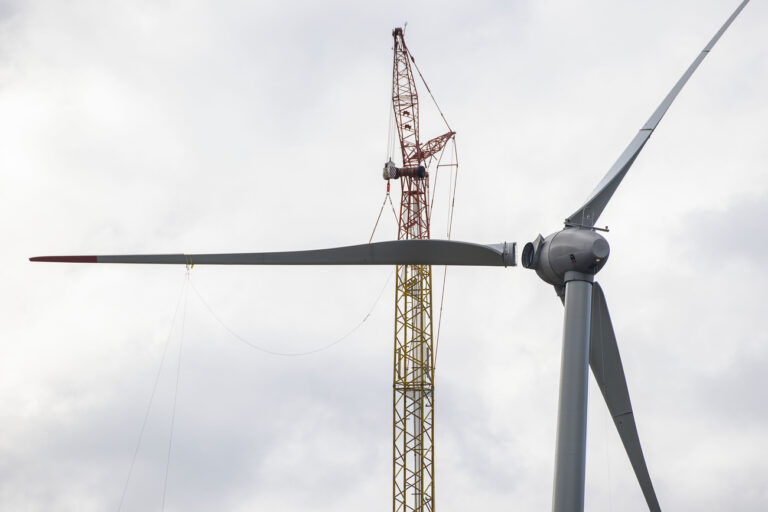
point(191, 126)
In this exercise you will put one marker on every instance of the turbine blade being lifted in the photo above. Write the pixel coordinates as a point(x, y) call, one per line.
point(590, 211)
point(606, 365)
point(396, 252)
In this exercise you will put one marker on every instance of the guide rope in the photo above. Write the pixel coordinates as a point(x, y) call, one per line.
point(265, 350)
point(182, 295)
point(175, 393)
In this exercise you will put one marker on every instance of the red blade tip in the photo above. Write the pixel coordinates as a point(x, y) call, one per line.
point(66, 259)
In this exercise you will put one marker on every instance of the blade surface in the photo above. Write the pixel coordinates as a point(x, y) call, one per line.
point(606, 365)
point(590, 211)
point(396, 252)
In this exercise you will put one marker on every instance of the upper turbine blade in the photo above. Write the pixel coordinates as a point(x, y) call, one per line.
point(397, 252)
point(590, 211)
point(606, 365)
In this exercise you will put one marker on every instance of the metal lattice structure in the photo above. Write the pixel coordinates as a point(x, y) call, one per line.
point(413, 382)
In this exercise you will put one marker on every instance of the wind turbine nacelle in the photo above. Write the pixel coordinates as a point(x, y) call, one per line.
point(570, 250)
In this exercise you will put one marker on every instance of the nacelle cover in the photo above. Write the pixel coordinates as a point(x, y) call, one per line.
point(572, 249)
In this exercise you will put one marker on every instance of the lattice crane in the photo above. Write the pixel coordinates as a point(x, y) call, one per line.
point(414, 372)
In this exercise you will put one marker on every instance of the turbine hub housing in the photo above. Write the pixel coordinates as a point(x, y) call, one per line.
point(572, 249)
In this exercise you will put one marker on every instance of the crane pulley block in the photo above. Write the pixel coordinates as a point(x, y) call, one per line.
point(392, 172)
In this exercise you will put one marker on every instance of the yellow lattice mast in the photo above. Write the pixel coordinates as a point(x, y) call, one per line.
point(413, 382)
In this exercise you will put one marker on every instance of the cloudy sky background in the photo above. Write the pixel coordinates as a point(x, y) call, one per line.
point(170, 126)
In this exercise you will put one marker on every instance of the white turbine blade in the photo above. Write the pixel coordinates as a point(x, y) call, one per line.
point(588, 213)
point(397, 252)
point(606, 365)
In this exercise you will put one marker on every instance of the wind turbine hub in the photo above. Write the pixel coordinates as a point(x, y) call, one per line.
point(579, 250)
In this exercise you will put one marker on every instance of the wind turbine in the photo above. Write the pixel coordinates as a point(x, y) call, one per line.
point(568, 259)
